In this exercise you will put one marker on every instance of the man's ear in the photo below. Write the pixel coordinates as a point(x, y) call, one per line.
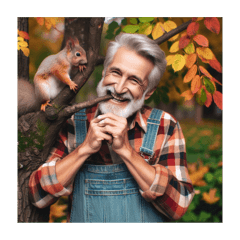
point(149, 94)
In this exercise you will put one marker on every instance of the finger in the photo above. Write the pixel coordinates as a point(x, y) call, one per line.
point(108, 121)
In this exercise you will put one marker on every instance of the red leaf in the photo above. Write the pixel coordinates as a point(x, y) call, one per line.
point(212, 24)
point(201, 40)
point(215, 80)
point(217, 97)
point(184, 41)
point(216, 65)
point(192, 28)
point(23, 34)
point(209, 99)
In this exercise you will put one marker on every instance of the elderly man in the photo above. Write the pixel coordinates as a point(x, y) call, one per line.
point(120, 161)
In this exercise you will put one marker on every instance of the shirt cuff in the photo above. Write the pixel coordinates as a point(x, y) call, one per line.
point(159, 184)
point(49, 181)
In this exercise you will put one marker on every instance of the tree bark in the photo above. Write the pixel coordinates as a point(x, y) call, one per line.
point(23, 61)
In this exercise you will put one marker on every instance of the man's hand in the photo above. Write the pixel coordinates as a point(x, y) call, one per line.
point(117, 127)
point(95, 135)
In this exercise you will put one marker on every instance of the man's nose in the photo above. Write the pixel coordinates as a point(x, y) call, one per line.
point(121, 86)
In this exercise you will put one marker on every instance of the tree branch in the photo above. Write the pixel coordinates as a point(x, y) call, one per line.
point(159, 40)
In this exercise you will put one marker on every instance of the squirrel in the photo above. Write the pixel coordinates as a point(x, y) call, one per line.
point(50, 78)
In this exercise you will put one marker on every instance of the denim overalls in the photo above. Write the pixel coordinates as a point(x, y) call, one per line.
point(109, 193)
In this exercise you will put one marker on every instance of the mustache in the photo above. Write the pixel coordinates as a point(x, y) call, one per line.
point(111, 91)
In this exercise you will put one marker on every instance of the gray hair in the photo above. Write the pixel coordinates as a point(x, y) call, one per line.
point(143, 46)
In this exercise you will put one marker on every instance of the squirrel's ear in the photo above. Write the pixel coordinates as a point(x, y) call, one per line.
point(76, 42)
point(70, 44)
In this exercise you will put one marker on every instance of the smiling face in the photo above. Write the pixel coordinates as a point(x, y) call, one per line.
point(126, 79)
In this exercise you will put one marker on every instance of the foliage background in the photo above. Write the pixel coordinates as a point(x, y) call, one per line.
point(203, 134)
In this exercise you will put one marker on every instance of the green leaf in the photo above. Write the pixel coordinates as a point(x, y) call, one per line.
point(189, 217)
point(133, 21)
point(209, 177)
point(109, 36)
point(124, 22)
point(146, 19)
point(178, 89)
point(118, 31)
point(130, 28)
point(164, 89)
point(208, 84)
point(112, 26)
point(164, 97)
point(203, 96)
point(204, 216)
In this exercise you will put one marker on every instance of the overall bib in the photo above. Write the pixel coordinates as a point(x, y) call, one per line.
point(109, 193)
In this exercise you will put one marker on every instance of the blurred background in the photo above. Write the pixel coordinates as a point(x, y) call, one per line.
point(201, 125)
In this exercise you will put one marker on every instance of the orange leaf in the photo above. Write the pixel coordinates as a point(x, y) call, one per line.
point(190, 74)
point(192, 28)
point(205, 72)
point(217, 97)
point(211, 196)
point(212, 24)
point(196, 84)
point(201, 40)
point(215, 80)
point(184, 41)
point(214, 63)
point(23, 34)
point(191, 59)
point(209, 99)
point(40, 20)
point(187, 95)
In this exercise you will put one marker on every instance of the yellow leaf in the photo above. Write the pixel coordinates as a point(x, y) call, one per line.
point(58, 210)
point(20, 39)
point(148, 30)
point(174, 47)
point(173, 38)
point(53, 21)
point(199, 174)
point(190, 74)
point(158, 30)
point(178, 62)
point(205, 53)
point(189, 49)
point(23, 44)
point(26, 51)
point(211, 196)
point(170, 59)
point(187, 95)
point(169, 25)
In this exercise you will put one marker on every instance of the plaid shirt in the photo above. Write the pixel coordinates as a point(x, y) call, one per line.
point(171, 192)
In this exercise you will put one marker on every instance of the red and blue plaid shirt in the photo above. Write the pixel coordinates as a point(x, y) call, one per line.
point(171, 192)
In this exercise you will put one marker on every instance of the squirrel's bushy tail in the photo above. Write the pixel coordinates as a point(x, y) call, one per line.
point(27, 101)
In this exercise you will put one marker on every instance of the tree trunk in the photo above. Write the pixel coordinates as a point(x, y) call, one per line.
point(36, 133)
point(23, 61)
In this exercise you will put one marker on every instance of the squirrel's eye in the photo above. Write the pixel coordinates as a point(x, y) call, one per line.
point(78, 54)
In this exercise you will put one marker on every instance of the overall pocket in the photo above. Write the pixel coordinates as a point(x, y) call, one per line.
point(112, 200)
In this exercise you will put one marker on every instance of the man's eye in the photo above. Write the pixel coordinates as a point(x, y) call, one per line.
point(116, 72)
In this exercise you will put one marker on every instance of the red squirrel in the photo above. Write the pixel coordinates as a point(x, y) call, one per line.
point(51, 77)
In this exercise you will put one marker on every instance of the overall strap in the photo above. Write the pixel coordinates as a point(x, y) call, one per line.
point(149, 138)
point(80, 119)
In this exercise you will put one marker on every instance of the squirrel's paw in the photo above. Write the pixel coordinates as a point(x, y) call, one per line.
point(43, 106)
point(81, 67)
point(73, 86)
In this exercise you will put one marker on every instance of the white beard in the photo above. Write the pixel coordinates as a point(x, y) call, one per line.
point(132, 107)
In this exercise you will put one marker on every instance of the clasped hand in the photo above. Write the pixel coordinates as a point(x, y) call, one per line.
point(109, 127)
